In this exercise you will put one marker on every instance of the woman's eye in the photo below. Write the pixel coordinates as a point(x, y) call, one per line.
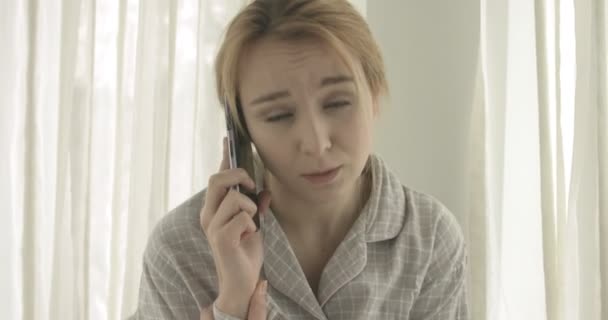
point(336, 104)
point(279, 117)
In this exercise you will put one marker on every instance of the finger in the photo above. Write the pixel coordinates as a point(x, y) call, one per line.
point(233, 203)
point(264, 201)
point(233, 232)
point(225, 164)
point(257, 304)
point(220, 183)
point(207, 313)
point(212, 199)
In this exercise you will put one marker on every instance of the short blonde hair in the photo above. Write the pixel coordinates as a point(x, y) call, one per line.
point(335, 22)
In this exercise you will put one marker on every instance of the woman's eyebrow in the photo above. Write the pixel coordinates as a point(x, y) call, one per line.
point(270, 97)
point(284, 93)
point(335, 80)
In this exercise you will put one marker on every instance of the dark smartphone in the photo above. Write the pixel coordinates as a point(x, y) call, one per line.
point(241, 156)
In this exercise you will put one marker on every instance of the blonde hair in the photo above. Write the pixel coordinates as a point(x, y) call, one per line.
point(336, 22)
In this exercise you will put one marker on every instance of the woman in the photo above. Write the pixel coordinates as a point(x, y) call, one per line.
point(340, 236)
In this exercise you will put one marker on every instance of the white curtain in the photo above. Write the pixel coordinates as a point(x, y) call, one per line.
point(537, 220)
point(108, 119)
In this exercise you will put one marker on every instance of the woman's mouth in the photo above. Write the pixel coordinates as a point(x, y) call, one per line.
point(325, 177)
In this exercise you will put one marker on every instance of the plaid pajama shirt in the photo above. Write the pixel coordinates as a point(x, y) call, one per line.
point(403, 258)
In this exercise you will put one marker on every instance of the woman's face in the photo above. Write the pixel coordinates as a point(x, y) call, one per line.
point(305, 116)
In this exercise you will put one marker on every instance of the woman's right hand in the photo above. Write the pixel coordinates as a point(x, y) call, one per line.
point(227, 221)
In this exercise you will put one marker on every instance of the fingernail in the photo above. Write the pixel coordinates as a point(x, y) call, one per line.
point(265, 286)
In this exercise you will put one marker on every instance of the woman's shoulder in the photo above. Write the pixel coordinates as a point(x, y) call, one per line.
point(178, 234)
point(425, 206)
point(433, 224)
point(178, 275)
point(404, 210)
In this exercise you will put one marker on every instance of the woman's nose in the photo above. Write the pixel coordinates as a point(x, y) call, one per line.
point(314, 136)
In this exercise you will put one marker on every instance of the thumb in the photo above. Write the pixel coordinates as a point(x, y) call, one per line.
point(264, 199)
point(257, 304)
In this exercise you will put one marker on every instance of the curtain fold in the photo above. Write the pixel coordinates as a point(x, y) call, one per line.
point(588, 170)
point(476, 224)
point(550, 156)
point(31, 138)
point(546, 177)
point(602, 125)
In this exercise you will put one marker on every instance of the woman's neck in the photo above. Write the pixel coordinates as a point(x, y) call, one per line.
point(304, 219)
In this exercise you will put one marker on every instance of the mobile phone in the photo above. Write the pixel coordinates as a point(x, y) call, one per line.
point(241, 156)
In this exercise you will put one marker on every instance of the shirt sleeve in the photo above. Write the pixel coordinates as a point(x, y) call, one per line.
point(178, 278)
point(443, 292)
point(219, 315)
point(161, 293)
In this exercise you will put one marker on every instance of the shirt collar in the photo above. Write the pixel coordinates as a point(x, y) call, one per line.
point(384, 211)
point(382, 218)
